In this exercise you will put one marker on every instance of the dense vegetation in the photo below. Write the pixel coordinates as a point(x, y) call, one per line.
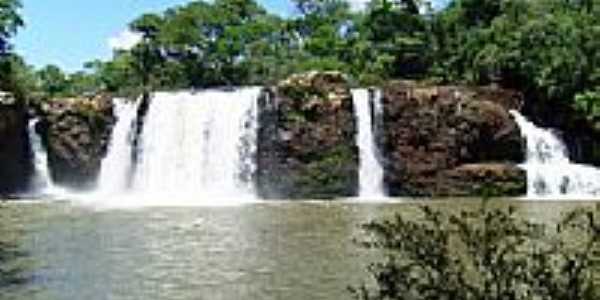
point(546, 48)
point(11, 66)
point(487, 254)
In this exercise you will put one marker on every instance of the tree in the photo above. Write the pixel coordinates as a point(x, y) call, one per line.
point(17, 77)
point(14, 73)
point(398, 38)
point(118, 75)
point(82, 83)
point(10, 21)
point(147, 54)
point(53, 82)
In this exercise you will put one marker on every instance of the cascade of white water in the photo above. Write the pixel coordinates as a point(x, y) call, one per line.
point(550, 173)
point(199, 143)
point(116, 166)
point(42, 182)
point(371, 172)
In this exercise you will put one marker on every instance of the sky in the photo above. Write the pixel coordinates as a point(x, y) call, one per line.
point(69, 33)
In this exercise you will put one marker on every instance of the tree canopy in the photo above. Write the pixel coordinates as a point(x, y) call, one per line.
point(10, 21)
point(12, 67)
point(547, 49)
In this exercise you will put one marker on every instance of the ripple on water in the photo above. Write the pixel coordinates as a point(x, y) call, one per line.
point(290, 250)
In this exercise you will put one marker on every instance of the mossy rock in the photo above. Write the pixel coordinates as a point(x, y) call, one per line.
point(306, 139)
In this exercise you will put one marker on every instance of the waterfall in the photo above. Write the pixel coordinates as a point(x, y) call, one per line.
point(42, 182)
point(550, 173)
point(199, 143)
point(366, 110)
point(116, 166)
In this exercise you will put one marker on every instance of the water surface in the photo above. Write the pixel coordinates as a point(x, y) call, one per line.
point(270, 250)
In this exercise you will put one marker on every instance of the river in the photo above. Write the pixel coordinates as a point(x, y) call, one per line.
point(266, 250)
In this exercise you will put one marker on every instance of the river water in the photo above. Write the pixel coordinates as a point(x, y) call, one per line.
point(269, 250)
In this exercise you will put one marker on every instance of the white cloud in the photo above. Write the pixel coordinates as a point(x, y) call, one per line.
point(125, 40)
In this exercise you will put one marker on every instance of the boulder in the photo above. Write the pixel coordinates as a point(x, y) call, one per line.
point(306, 138)
point(430, 131)
point(76, 132)
point(15, 154)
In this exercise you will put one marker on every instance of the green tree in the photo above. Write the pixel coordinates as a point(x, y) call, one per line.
point(53, 82)
point(399, 38)
point(10, 21)
point(81, 83)
point(118, 75)
point(147, 54)
point(17, 77)
point(14, 73)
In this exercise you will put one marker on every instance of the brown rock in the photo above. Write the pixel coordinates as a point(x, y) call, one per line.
point(430, 130)
point(306, 138)
point(76, 132)
point(15, 158)
point(483, 179)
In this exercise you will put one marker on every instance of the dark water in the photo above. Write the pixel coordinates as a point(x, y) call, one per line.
point(276, 250)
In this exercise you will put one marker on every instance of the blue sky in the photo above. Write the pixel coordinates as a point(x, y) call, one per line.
point(68, 33)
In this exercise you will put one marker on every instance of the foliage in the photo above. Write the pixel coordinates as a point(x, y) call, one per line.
point(53, 80)
point(484, 254)
point(13, 70)
point(10, 21)
point(547, 49)
point(16, 76)
point(237, 42)
point(588, 103)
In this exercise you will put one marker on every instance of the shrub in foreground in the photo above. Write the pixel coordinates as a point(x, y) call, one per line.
point(487, 254)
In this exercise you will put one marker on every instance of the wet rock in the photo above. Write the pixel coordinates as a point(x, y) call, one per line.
point(430, 131)
point(482, 179)
point(306, 138)
point(76, 132)
point(15, 154)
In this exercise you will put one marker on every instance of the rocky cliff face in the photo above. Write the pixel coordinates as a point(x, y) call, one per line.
point(15, 154)
point(76, 132)
point(451, 141)
point(306, 138)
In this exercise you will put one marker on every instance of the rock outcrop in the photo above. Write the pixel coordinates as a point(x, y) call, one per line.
point(489, 179)
point(306, 138)
point(15, 153)
point(451, 141)
point(76, 132)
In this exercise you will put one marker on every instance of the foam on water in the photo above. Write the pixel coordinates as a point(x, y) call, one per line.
point(550, 172)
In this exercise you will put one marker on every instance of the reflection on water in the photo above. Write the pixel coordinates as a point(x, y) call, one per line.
point(15, 264)
point(259, 251)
